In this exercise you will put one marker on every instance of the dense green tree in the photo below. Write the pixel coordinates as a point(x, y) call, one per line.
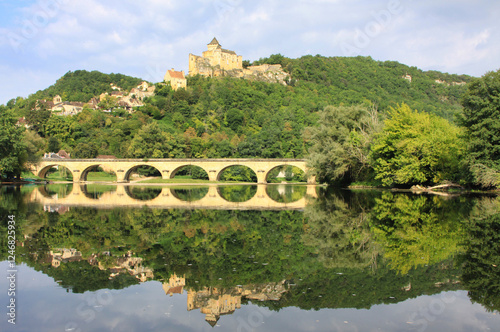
point(341, 143)
point(416, 148)
point(85, 151)
point(61, 128)
point(12, 147)
point(481, 119)
point(53, 144)
point(150, 142)
point(238, 173)
point(36, 146)
point(37, 117)
point(108, 102)
point(164, 89)
point(235, 118)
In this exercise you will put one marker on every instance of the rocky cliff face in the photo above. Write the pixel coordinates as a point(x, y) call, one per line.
point(263, 73)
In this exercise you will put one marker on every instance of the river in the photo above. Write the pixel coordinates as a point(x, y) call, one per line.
point(246, 258)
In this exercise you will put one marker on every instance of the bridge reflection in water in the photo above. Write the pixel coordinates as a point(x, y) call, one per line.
point(166, 197)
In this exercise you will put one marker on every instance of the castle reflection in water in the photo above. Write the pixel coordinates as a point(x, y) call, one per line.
point(213, 302)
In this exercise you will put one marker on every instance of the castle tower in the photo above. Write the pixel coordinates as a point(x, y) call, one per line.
point(214, 61)
point(213, 45)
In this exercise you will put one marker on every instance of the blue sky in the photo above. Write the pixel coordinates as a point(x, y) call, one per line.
point(41, 40)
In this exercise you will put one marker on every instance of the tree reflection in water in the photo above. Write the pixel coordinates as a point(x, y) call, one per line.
point(56, 190)
point(481, 260)
point(189, 194)
point(95, 191)
point(237, 193)
point(146, 193)
point(286, 193)
point(418, 230)
point(339, 231)
point(383, 247)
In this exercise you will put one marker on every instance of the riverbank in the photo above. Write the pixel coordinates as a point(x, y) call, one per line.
point(23, 182)
point(442, 190)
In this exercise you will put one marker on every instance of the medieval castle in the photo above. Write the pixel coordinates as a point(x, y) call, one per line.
point(217, 61)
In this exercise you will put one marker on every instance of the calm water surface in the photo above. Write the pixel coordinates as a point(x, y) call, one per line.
point(248, 258)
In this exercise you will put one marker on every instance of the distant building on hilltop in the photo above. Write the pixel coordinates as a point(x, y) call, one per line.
point(60, 107)
point(22, 122)
point(57, 100)
point(407, 77)
point(144, 86)
point(68, 108)
point(214, 61)
point(176, 78)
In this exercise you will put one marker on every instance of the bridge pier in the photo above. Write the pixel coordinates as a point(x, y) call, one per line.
point(120, 176)
point(311, 191)
point(212, 175)
point(261, 176)
point(311, 179)
point(261, 192)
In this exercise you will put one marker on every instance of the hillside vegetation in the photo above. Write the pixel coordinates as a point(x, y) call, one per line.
point(227, 117)
point(82, 85)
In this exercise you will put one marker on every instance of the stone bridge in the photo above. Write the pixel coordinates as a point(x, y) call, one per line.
point(79, 168)
point(167, 198)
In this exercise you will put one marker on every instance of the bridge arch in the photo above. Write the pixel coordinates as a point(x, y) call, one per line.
point(87, 170)
point(274, 169)
point(134, 168)
point(42, 173)
point(177, 169)
point(218, 174)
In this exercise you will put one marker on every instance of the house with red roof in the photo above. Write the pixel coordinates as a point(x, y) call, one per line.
point(177, 79)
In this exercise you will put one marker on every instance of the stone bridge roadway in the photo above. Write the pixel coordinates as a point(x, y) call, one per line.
point(79, 168)
point(168, 199)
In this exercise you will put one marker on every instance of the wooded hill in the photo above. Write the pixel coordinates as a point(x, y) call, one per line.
point(227, 117)
point(82, 85)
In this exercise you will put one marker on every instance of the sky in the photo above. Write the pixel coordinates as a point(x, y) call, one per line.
point(41, 40)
